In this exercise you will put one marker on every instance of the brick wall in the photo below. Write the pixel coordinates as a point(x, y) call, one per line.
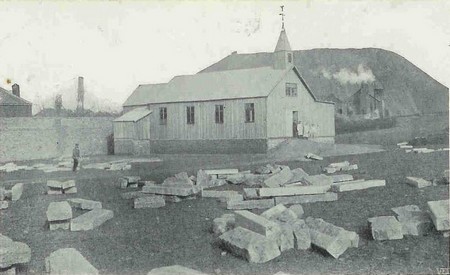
point(26, 138)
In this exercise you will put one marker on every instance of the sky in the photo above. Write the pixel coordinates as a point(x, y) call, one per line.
point(117, 45)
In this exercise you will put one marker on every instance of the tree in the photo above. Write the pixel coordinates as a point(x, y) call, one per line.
point(58, 103)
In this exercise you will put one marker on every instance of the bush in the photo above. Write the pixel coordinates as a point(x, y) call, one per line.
point(344, 125)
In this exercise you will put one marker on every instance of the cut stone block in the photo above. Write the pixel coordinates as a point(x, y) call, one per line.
point(133, 179)
point(181, 191)
point(357, 185)
point(297, 175)
point(175, 270)
point(249, 245)
point(85, 204)
point(202, 178)
point(333, 239)
point(218, 194)
point(293, 191)
point(297, 209)
point(68, 261)
point(313, 156)
point(440, 214)
point(339, 165)
point(70, 190)
point(341, 178)
point(350, 167)
point(301, 234)
point(4, 204)
point(222, 171)
point(91, 219)
point(385, 228)
point(238, 178)
point(68, 184)
point(173, 199)
point(149, 202)
point(256, 223)
point(52, 191)
point(402, 143)
point(286, 239)
point(321, 179)
point(406, 146)
point(64, 225)
point(279, 178)
point(251, 193)
point(12, 252)
point(235, 197)
point(216, 182)
point(179, 179)
point(329, 196)
point(250, 204)
point(265, 169)
point(16, 191)
point(330, 170)
point(133, 195)
point(223, 224)
point(59, 211)
point(280, 213)
point(414, 221)
point(54, 184)
point(274, 211)
point(418, 182)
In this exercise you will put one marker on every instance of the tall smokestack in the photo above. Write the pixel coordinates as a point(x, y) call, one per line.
point(16, 90)
point(80, 97)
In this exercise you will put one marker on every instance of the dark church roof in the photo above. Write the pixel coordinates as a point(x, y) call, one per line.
point(7, 98)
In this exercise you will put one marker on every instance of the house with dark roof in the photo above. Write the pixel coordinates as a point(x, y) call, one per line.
point(12, 105)
point(242, 110)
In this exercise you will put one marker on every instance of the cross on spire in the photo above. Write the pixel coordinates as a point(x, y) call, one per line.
point(282, 17)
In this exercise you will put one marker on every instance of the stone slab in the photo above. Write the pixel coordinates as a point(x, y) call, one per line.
point(223, 224)
point(313, 156)
point(54, 184)
point(440, 214)
point(16, 191)
point(59, 211)
point(68, 261)
point(84, 204)
point(249, 245)
point(339, 165)
point(91, 219)
point(385, 228)
point(350, 167)
point(280, 213)
point(218, 194)
point(64, 225)
point(341, 178)
point(250, 204)
point(321, 179)
point(221, 171)
point(298, 210)
point(418, 182)
point(181, 191)
point(357, 185)
point(172, 199)
point(12, 252)
point(293, 191)
point(279, 178)
point(174, 270)
point(53, 191)
point(251, 193)
point(256, 223)
point(70, 190)
point(302, 236)
point(414, 221)
point(326, 197)
point(202, 178)
point(68, 184)
point(149, 202)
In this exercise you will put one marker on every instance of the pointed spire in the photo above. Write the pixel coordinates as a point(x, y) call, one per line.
point(283, 42)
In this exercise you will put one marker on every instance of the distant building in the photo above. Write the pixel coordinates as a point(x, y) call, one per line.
point(12, 105)
point(243, 110)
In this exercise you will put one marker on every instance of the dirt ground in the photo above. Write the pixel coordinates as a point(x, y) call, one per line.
point(138, 240)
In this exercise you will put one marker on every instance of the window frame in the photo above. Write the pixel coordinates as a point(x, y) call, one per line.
point(219, 113)
point(291, 89)
point(289, 58)
point(162, 115)
point(249, 112)
point(190, 115)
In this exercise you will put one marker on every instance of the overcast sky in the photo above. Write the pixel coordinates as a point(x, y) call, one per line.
point(44, 46)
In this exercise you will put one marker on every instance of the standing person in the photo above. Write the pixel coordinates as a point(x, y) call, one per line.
point(76, 157)
point(300, 129)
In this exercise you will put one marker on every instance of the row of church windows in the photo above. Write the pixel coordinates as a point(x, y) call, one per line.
point(219, 114)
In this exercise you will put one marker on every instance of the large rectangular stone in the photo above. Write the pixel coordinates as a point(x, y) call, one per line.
point(218, 194)
point(91, 219)
point(181, 191)
point(417, 182)
point(249, 245)
point(149, 202)
point(279, 178)
point(385, 228)
point(70, 190)
point(339, 165)
point(68, 184)
point(59, 211)
point(12, 252)
point(222, 171)
point(357, 185)
point(293, 191)
point(414, 221)
point(251, 193)
point(320, 179)
point(54, 184)
point(250, 204)
point(85, 204)
point(440, 214)
point(341, 178)
point(256, 223)
point(329, 196)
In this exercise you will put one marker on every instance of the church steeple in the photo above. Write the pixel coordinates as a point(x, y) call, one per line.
point(283, 56)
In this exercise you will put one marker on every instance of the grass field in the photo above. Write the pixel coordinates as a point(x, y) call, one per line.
point(137, 240)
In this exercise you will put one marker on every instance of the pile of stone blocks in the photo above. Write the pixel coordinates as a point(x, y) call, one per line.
point(414, 221)
point(440, 214)
point(10, 195)
point(55, 187)
point(261, 238)
point(68, 261)
point(129, 182)
point(59, 215)
point(340, 166)
point(12, 253)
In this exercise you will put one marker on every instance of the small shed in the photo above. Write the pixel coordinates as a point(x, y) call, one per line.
point(132, 132)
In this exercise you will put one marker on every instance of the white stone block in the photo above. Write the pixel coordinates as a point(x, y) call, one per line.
point(385, 228)
point(149, 202)
point(91, 219)
point(59, 211)
point(440, 214)
point(68, 261)
point(85, 204)
point(357, 185)
point(16, 191)
point(175, 270)
point(279, 178)
point(12, 252)
point(326, 197)
point(293, 191)
point(418, 182)
point(250, 204)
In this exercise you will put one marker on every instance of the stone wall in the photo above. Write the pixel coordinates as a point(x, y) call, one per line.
point(26, 138)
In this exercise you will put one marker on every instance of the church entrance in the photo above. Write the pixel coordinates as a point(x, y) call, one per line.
point(294, 123)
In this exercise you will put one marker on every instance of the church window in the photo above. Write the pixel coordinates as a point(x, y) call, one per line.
point(291, 89)
point(249, 112)
point(190, 114)
point(219, 114)
point(289, 56)
point(162, 115)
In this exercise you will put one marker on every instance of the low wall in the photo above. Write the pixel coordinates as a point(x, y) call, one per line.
point(27, 138)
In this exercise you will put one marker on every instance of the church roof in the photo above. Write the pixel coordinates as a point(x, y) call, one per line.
point(141, 93)
point(7, 98)
point(283, 42)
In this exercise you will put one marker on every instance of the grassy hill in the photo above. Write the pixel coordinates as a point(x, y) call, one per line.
point(340, 72)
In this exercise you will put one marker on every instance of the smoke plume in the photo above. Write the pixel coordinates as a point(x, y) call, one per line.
point(348, 76)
